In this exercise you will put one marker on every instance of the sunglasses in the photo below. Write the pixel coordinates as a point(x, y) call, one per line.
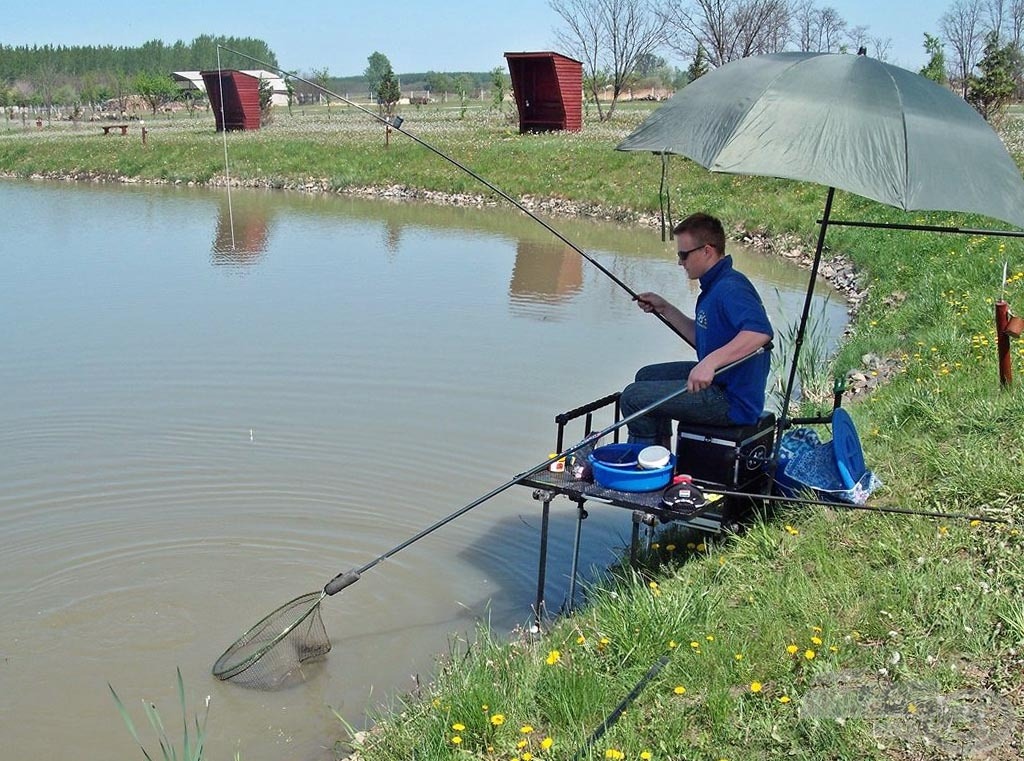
point(684, 254)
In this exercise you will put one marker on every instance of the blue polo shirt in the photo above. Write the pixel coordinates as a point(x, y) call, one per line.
point(727, 304)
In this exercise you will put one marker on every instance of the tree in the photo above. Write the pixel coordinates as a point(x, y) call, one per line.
point(961, 26)
point(609, 36)
point(499, 85)
point(935, 69)
point(266, 102)
point(699, 65)
point(992, 89)
point(378, 66)
point(156, 89)
point(322, 78)
point(727, 29)
point(438, 83)
point(388, 93)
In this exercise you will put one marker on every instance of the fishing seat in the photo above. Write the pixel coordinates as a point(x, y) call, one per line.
point(729, 457)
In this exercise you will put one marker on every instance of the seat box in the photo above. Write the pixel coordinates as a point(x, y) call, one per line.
point(729, 457)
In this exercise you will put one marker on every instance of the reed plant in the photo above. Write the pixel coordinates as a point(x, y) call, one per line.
point(193, 735)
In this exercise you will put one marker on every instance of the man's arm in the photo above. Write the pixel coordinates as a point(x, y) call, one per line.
point(746, 342)
point(652, 302)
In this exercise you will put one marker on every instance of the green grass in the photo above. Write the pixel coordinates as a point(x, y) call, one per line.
point(916, 625)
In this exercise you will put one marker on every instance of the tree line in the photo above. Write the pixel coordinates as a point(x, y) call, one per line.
point(620, 41)
point(81, 76)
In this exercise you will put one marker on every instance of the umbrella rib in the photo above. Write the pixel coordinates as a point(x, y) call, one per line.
point(906, 136)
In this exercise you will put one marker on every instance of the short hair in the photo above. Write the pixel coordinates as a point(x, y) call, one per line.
point(705, 228)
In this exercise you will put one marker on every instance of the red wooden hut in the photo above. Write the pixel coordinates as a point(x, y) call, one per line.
point(549, 91)
point(241, 98)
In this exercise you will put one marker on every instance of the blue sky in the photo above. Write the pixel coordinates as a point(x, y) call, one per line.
point(455, 35)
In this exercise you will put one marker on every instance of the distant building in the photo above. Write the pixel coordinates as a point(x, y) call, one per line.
point(193, 80)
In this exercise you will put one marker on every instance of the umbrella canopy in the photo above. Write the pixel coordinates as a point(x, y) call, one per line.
point(843, 121)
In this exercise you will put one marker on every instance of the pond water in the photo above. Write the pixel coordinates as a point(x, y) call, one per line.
point(208, 412)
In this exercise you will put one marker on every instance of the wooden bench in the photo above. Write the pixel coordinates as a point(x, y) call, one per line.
point(108, 127)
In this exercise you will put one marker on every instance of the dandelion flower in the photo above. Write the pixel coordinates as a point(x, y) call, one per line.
point(672, 644)
point(581, 640)
point(456, 740)
point(756, 686)
point(554, 657)
point(521, 744)
point(526, 729)
point(498, 719)
point(459, 727)
point(809, 654)
point(695, 645)
point(738, 656)
point(816, 640)
point(784, 699)
point(526, 756)
point(710, 638)
point(792, 649)
point(645, 755)
point(546, 743)
point(614, 755)
point(679, 690)
point(670, 547)
point(911, 708)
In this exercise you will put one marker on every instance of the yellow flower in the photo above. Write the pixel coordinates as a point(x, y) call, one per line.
point(604, 641)
point(784, 699)
point(672, 644)
point(546, 743)
point(911, 708)
point(554, 657)
point(695, 645)
point(580, 640)
point(809, 654)
point(792, 531)
point(456, 740)
point(670, 547)
point(645, 755)
point(815, 640)
point(459, 727)
point(615, 755)
point(738, 656)
point(833, 649)
point(975, 523)
point(652, 584)
point(498, 719)
point(527, 756)
point(701, 547)
point(756, 686)
point(485, 708)
point(526, 729)
point(679, 690)
point(792, 649)
point(436, 702)
point(710, 638)
point(521, 744)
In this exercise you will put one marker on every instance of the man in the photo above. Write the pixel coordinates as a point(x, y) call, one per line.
point(729, 323)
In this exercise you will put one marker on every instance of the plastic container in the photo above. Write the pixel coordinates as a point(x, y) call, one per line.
point(606, 463)
point(652, 458)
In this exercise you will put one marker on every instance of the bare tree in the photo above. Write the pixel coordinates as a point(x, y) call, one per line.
point(822, 30)
point(609, 37)
point(830, 30)
point(1015, 22)
point(994, 16)
point(726, 29)
point(880, 48)
point(961, 26)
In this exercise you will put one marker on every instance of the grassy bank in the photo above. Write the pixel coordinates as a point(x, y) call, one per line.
point(817, 634)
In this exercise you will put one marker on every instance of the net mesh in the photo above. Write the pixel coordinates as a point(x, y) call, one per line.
point(272, 653)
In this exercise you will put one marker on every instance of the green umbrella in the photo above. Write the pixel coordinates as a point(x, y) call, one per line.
point(843, 121)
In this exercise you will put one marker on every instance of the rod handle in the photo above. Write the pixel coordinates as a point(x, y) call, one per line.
point(341, 581)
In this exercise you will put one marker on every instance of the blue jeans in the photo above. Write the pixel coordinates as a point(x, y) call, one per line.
point(654, 382)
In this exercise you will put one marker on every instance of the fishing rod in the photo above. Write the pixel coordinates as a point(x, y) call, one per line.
point(294, 632)
point(395, 123)
point(853, 506)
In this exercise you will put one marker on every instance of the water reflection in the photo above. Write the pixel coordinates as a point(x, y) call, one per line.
point(545, 273)
point(243, 229)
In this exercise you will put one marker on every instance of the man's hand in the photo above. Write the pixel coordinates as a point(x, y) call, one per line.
point(651, 302)
point(700, 376)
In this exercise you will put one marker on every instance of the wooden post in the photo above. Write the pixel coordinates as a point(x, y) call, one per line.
point(1003, 343)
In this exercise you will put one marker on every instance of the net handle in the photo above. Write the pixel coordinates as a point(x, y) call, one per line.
point(347, 578)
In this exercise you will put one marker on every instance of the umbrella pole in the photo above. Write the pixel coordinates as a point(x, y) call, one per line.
point(783, 423)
